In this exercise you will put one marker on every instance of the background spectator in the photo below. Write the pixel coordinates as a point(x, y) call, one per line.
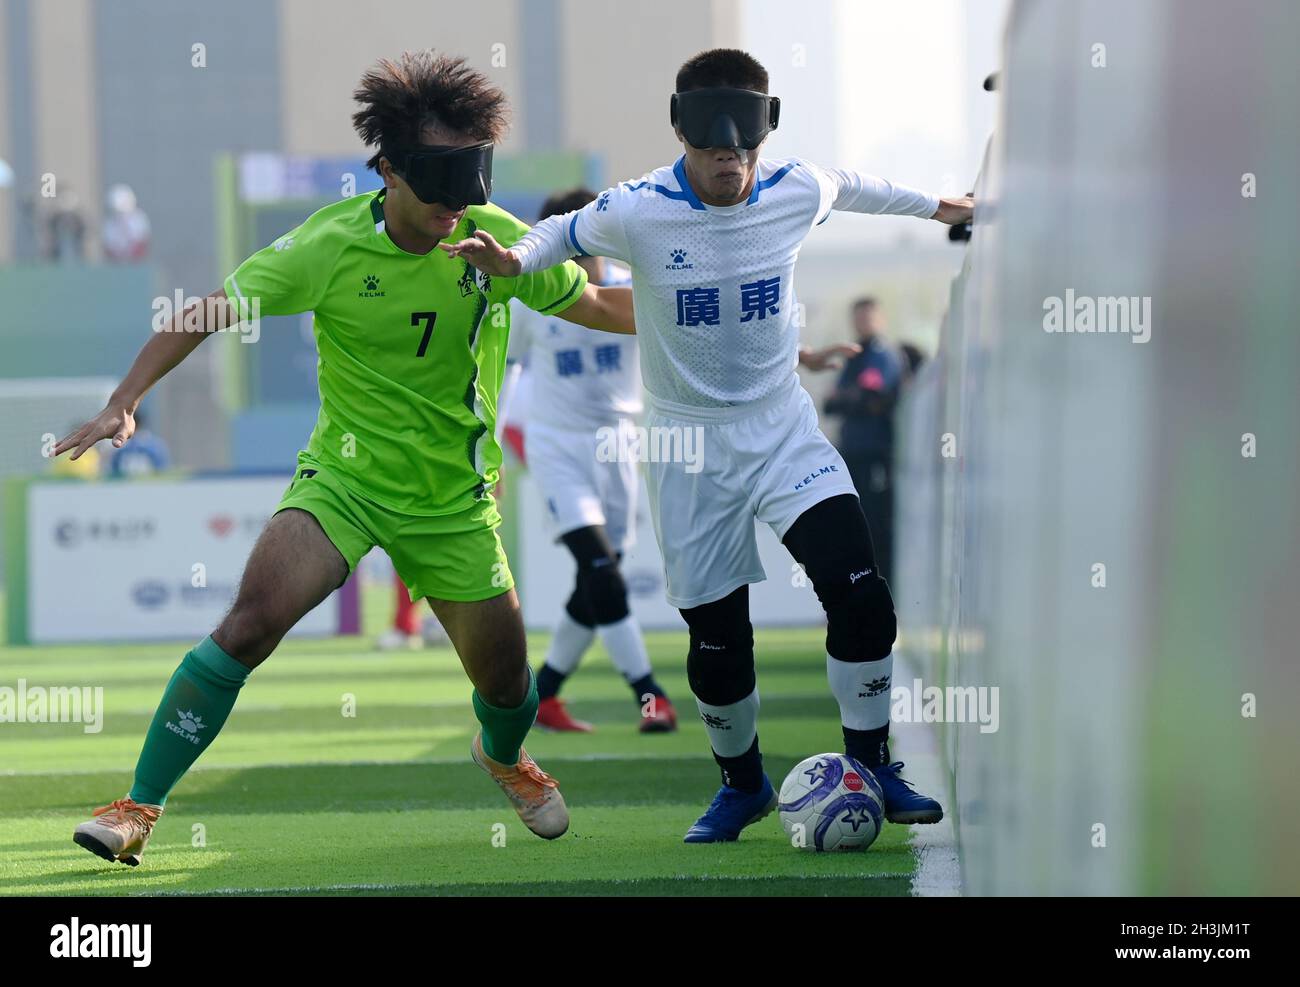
point(865, 395)
point(65, 229)
point(126, 227)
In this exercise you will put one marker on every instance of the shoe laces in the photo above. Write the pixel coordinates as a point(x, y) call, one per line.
point(537, 781)
point(893, 769)
point(125, 813)
point(728, 793)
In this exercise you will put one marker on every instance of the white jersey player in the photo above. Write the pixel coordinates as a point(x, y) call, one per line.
point(712, 243)
point(585, 391)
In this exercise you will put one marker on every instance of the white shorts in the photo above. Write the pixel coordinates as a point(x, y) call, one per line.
point(767, 461)
point(581, 484)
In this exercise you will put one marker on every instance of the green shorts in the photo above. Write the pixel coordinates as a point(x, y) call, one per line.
point(451, 557)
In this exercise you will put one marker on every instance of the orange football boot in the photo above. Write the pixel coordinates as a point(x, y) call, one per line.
point(118, 831)
point(534, 794)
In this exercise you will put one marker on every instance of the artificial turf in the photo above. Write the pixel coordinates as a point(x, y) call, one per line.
point(297, 798)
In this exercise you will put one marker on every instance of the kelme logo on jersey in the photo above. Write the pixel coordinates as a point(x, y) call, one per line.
point(820, 471)
point(679, 261)
point(370, 284)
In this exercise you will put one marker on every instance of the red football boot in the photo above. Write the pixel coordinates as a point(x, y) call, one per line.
point(658, 716)
point(552, 714)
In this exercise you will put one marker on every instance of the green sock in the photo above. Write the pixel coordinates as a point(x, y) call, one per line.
point(194, 706)
point(504, 730)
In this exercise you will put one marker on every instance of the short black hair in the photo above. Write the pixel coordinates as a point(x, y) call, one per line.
point(562, 202)
point(399, 99)
point(728, 67)
point(866, 301)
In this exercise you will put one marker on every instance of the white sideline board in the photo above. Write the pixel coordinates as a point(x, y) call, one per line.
point(116, 561)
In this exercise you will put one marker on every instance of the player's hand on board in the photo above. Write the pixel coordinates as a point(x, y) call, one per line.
point(483, 251)
point(956, 211)
point(828, 357)
point(115, 422)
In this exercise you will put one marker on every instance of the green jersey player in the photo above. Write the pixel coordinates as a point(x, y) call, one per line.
point(412, 347)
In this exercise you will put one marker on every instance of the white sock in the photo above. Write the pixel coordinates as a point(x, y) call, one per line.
point(568, 644)
point(626, 647)
point(862, 690)
point(731, 728)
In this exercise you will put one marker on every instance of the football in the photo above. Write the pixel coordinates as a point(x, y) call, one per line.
point(831, 802)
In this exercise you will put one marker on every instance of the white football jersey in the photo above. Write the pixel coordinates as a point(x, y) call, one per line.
point(714, 285)
point(580, 378)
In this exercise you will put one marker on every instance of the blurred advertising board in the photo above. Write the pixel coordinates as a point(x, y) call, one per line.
point(139, 560)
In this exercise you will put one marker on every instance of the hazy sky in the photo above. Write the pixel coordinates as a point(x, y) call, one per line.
point(883, 86)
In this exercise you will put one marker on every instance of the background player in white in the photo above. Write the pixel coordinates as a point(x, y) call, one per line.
point(585, 392)
point(712, 243)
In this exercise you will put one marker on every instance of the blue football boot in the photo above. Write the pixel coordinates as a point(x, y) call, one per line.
point(731, 811)
point(902, 803)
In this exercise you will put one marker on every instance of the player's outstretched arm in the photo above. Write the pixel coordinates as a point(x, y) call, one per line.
point(168, 347)
point(608, 309)
point(855, 191)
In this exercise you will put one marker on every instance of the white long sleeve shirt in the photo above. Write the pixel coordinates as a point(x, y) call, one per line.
point(713, 286)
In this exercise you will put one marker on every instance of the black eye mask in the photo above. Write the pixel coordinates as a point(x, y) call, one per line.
point(455, 177)
point(722, 117)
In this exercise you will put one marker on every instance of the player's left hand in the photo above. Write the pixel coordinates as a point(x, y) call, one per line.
point(483, 251)
point(828, 357)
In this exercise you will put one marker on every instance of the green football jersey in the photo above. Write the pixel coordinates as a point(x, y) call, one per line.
point(411, 348)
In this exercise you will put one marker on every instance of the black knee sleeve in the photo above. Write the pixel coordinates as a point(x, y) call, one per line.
point(720, 663)
point(579, 607)
point(606, 591)
point(860, 621)
point(600, 595)
point(832, 542)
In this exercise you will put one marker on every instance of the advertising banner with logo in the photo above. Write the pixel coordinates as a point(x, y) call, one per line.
point(143, 560)
point(544, 570)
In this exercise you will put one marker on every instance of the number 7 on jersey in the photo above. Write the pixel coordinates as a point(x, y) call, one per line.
point(429, 318)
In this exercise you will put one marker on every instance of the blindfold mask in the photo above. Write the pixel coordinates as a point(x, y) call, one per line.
point(455, 177)
point(722, 117)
